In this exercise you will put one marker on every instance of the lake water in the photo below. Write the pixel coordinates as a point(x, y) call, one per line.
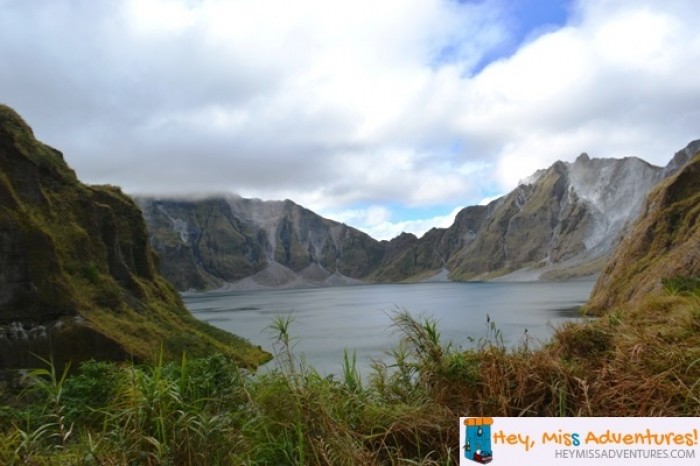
point(358, 318)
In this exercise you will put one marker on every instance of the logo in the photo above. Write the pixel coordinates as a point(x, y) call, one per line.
point(477, 439)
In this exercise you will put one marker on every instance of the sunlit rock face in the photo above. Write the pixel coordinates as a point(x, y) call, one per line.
point(662, 247)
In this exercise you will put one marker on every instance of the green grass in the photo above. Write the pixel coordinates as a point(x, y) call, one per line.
point(638, 361)
point(682, 285)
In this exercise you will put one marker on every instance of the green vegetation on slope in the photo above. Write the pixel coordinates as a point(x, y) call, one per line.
point(77, 271)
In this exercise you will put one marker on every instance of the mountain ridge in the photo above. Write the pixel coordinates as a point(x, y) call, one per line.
point(560, 223)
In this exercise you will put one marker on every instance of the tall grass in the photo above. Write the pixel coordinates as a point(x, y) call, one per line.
point(633, 362)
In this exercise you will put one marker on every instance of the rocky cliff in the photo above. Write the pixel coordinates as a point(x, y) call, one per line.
point(560, 223)
point(662, 246)
point(78, 278)
point(249, 243)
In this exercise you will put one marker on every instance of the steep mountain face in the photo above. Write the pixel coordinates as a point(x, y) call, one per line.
point(221, 240)
point(78, 279)
point(202, 247)
point(561, 223)
point(409, 258)
point(663, 244)
point(535, 224)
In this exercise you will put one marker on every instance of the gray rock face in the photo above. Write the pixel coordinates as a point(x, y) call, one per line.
point(614, 191)
point(663, 244)
point(249, 243)
point(564, 222)
point(560, 223)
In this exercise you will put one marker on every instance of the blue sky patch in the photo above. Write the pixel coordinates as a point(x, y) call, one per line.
point(524, 20)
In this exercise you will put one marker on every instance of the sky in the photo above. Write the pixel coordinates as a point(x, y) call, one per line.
point(388, 115)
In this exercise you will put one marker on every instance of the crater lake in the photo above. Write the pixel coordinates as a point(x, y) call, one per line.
point(328, 321)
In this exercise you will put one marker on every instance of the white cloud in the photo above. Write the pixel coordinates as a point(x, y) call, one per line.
point(370, 217)
point(337, 104)
point(613, 84)
point(489, 199)
point(376, 221)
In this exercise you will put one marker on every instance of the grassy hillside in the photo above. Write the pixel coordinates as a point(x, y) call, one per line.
point(77, 276)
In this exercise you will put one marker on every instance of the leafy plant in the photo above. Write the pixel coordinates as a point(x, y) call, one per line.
point(49, 383)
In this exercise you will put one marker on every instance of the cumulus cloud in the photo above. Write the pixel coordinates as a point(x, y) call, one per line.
point(347, 106)
point(614, 83)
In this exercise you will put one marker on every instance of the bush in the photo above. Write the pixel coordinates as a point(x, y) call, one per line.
point(90, 390)
point(682, 285)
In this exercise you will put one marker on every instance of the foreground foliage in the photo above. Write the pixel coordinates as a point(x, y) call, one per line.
point(641, 361)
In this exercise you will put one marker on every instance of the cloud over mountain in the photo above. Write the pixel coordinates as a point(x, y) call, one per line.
point(348, 105)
